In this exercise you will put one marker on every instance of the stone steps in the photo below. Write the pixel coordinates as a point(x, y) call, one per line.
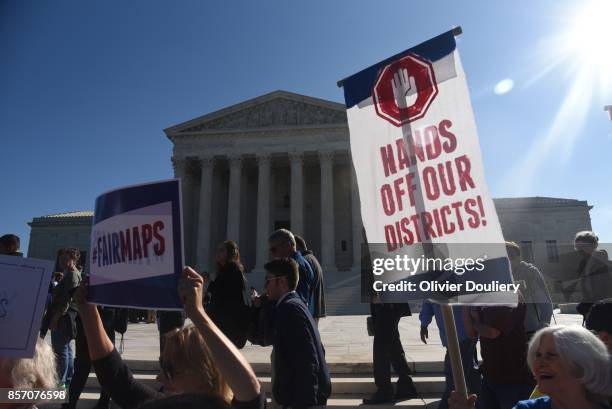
point(335, 368)
point(357, 384)
point(351, 382)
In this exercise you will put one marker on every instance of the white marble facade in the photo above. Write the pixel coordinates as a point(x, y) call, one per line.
point(257, 166)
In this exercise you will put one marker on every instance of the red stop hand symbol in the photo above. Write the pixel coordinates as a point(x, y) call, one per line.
point(404, 90)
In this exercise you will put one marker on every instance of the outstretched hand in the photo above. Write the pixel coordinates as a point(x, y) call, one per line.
point(190, 290)
point(404, 88)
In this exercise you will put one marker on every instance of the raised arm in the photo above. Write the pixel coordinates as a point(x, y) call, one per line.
point(98, 343)
point(231, 363)
point(113, 374)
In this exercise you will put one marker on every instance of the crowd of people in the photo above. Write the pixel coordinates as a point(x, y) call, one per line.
point(525, 362)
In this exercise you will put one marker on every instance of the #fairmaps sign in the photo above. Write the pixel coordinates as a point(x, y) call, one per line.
point(430, 222)
point(136, 251)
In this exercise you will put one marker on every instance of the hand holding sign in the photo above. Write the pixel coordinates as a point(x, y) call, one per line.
point(403, 84)
point(190, 290)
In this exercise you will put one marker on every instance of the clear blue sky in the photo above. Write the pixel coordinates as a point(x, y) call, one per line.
point(87, 87)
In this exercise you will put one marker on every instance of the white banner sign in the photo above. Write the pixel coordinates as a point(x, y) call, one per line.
point(418, 164)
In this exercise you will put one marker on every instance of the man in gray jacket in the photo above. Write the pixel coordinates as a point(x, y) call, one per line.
point(534, 291)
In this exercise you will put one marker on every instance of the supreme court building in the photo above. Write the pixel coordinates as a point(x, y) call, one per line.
point(283, 160)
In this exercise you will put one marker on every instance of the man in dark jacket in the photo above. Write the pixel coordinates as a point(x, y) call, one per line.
point(318, 289)
point(301, 377)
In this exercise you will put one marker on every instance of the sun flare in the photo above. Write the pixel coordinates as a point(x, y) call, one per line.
point(588, 37)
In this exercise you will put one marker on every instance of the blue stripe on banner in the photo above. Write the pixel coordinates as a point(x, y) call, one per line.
point(359, 86)
point(496, 269)
point(123, 200)
point(150, 293)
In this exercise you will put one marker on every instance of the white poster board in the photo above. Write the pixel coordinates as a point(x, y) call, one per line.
point(24, 284)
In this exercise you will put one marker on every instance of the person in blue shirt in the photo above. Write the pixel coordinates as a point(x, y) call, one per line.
point(467, 346)
point(282, 244)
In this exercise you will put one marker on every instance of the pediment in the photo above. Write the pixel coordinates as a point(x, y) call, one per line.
point(279, 109)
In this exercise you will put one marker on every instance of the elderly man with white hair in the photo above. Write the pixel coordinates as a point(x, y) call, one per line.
point(38, 372)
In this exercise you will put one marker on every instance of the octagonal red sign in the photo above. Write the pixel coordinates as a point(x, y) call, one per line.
point(395, 98)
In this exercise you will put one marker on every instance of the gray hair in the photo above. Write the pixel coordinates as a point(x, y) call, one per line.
point(587, 236)
point(583, 352)
point(36, 372)
point(283, 236)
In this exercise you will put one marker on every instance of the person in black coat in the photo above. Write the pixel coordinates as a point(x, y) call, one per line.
point(301, 378)
point(387, 346)
point(227, 306)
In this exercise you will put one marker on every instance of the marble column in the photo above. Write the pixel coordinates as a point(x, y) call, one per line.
point(181, 171)
point(203, 255)
point(263, 210)
point(233, 202)
point(356, 222)
point(297, 192)
point(328, 241)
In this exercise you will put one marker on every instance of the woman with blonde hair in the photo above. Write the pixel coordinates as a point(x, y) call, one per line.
point(198, 363)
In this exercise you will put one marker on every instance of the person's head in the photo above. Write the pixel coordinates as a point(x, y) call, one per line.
point(300, 244)
point(599, 320)
point(186, 401)
point(29, 373)
point(187, 365)
point(69, 258)
point(228, 252)
point(586, 241)
point(9, 245)
point(514, 254)
point(570, 360)
point(282, 276)
point(282, 243)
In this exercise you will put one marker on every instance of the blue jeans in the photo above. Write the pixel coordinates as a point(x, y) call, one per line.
point(60, 342)
point(470, 372)
point(502, 396)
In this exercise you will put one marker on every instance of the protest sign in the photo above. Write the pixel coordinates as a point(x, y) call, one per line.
point(425, 205)
point(24, 284)
point(136, 247)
